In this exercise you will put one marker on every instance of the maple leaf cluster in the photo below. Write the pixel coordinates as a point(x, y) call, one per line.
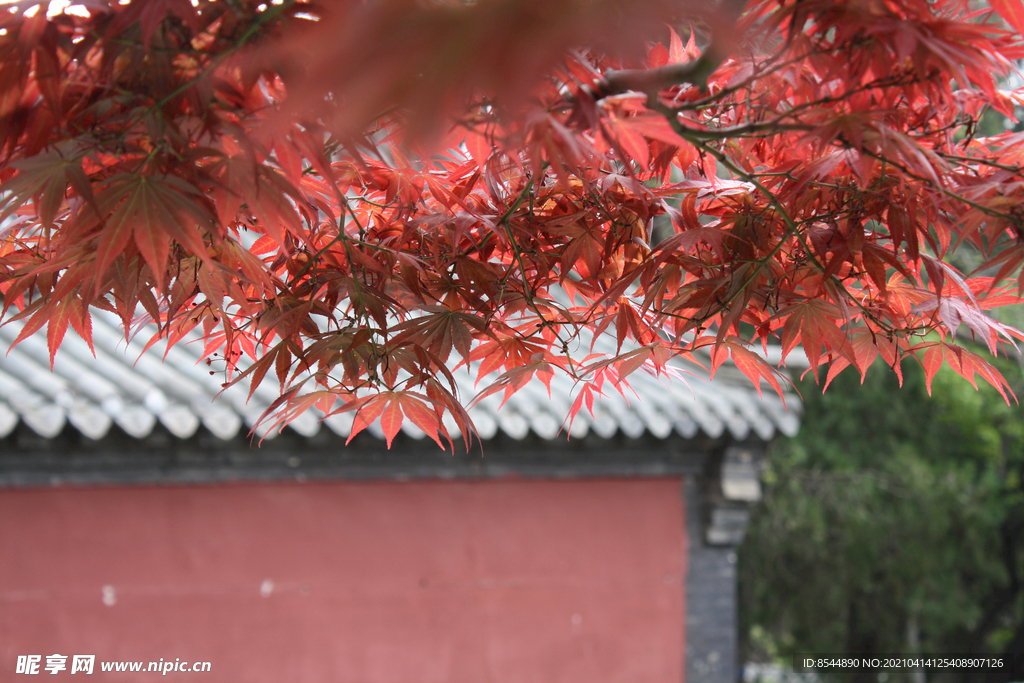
point(353, 198)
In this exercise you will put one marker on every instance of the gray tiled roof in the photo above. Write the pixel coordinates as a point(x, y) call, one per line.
point(122, 386)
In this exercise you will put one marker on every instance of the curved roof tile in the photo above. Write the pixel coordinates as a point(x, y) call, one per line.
point(116, 383)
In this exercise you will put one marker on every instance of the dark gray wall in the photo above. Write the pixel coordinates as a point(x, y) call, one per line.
point(717, 509)
point(27, 459)
point(711, 635)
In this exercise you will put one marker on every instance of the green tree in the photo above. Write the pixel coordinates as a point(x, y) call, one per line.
point(891, 518)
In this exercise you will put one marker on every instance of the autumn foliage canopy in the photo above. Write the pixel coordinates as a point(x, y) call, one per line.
point(350, 198)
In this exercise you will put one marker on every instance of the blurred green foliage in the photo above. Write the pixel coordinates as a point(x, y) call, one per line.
point(891, 513)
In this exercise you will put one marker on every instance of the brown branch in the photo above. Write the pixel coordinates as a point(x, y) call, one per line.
point(652, 80)
point(696, 72)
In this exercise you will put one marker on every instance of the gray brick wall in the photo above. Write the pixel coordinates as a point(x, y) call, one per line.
point(711, 655)
point(717, 509)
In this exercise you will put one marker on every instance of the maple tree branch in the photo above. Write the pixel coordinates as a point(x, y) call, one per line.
point(518, 255)
point(967, 161)
point(792, 230)
point(748, 130)
point(776, 65)
point(944, 190)
point(272, 12)
point(552, 193)
point(695, 72)
point(649, 81)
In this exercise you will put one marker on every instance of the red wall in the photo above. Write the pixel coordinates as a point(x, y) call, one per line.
point(418, 582)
